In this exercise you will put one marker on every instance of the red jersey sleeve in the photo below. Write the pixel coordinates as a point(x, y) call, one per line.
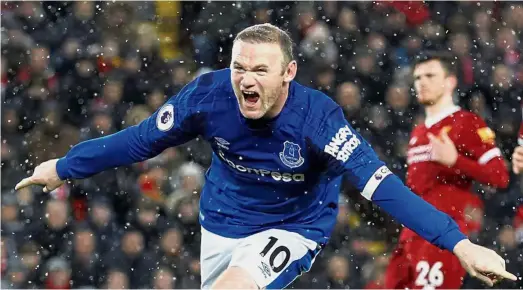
point(479, 157)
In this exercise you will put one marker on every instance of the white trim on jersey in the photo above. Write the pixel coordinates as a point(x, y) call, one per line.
point(489, 155)
point(429, 122)
point(375, 180)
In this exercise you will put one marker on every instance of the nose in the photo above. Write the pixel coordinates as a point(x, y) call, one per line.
point(248, 80)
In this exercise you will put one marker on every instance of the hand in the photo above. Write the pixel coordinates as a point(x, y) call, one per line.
point(443, 149)
point(44, 174)
point(517, 160)
point(482, 263)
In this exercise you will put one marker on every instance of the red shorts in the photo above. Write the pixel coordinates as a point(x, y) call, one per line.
point(418, 264)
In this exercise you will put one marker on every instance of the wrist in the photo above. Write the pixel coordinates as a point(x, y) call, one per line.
point(460, 247)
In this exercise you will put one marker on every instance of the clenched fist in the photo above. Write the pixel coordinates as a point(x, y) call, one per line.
point(44, 174)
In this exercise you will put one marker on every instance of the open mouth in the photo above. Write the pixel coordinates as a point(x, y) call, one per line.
point(250, 97)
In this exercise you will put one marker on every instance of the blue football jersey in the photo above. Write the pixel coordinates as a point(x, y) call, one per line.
point(281, 173)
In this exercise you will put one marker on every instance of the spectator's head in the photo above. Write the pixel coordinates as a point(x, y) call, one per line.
point(9, 208)
point(460, 44)
point(57, 214)
point(39, 59)
point(84, 10)
point(191, 175)
point(112, 91)
point(398, 97)
point(59, 273)
point(502, 76)
point(306, 15)
point(434, 78)
point(482, 21)
point(164, 279)
point(506, 39)
point(365, 62)
point(155, 99)
point(100, 212)
point(147, 215)
point(325, 77)
point(377, 42)
point(348, 96)
point(84, 242)
point(137, 114)
point(262, 66)
point(30, 255)
point(262, 15)
point(338, 268)
point(85, 67)
point(117, 279)
point(17, 274)
point(102, 122)
point(348, 20)
point(132, 243)
point(172, 241)
point(507, 238)
point(378, 118)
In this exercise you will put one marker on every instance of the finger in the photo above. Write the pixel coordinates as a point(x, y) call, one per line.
point(485, 279)
point(445, 137)
point(505, 274)
point(432, 138)
point(24, 183)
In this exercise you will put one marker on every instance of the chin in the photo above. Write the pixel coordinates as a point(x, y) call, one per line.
point(253, 115)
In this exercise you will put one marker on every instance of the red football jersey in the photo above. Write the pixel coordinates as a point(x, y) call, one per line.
point(449, 189)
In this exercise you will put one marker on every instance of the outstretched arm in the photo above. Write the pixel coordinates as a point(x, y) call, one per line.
point(346, 152)
point(173, 124)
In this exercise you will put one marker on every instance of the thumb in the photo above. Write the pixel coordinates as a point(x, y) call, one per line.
point(445, 137)
point(432, 138)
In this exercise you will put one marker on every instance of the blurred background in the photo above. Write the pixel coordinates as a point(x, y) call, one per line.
point(72, 71)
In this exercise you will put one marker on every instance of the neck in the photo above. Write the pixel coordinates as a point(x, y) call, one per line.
point(442, 104)
point(280, 103)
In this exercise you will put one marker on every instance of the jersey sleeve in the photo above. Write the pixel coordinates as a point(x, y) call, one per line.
point(479, 158)
point(173, 124)
point(346, 153)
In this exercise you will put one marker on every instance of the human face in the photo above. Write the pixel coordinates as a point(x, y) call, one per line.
point(258, 79)
point(431, 82)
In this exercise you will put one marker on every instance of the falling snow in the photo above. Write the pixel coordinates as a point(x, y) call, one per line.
point(74, 71)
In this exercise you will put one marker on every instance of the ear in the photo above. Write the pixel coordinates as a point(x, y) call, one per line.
point(290, 71)
point(451, 82)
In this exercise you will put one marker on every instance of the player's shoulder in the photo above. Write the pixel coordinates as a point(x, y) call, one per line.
point(467, 118)
point(207, 90)
point(312, 106)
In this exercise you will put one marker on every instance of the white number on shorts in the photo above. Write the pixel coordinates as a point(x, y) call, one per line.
point(429, 276)
point(278, 250)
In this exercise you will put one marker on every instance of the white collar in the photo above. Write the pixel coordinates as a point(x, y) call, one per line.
point(429, 122)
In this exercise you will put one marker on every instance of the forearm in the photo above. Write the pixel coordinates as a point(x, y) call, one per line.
point(493, 172)
point(418, 215)
point(93, 156)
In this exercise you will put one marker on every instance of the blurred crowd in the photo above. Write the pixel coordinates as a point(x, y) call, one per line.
point(72, 71)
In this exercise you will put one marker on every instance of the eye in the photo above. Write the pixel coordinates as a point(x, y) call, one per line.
point(261, 71)
point(238, 68)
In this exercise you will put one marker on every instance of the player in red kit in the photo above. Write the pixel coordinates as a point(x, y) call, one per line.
point(446, 153)
point(517, 157)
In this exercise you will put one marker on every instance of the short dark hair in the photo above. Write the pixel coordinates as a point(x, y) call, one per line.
point(268, 33)
point(447, 60)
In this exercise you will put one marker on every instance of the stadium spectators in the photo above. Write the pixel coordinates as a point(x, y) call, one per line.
point(77, 70)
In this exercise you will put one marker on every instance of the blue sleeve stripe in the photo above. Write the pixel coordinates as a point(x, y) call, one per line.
point(374, 181)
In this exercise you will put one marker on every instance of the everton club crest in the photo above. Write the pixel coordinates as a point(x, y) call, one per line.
point(291, 156)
